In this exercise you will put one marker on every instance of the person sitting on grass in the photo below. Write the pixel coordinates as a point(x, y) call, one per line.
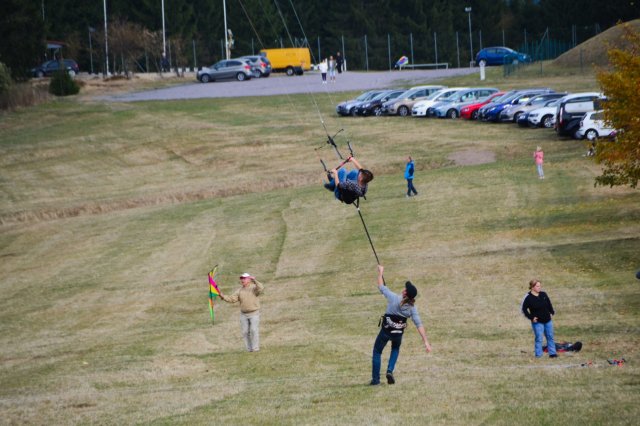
point(350, 185)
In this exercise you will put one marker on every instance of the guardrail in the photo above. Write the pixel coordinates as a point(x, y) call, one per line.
point(437, 65)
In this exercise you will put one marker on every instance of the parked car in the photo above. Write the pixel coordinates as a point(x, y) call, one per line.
point(544, 116)
point(533, 105)
point(593, 126)
point(349, 107)
point(572, 108)
point(500, 55)
point(514, 112)
point(48, 68)
point(403, 104)
point(374, 106)
point(470, 111)
point(260, 65)
point(420, 108)
point(450, 108)
point(238, 69)
point(493, 113)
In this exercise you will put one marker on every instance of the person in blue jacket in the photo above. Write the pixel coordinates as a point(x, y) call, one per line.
point(408, 175)
point(400, 307)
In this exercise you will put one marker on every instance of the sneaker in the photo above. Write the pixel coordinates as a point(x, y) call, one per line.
point(373, 383)
point(553, 356)
point(390, 379)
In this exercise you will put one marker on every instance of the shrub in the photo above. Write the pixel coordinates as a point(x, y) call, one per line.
point(62, 84)
point(5, 79)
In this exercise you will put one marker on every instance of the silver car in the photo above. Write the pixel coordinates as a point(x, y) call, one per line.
point(238, 69)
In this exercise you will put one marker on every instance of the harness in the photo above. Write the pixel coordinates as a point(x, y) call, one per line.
point(393, 324)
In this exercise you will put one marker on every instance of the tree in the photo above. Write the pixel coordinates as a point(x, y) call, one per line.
point(621, 158)
point(22, 35)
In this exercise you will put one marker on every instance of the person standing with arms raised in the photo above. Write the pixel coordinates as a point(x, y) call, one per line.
point(400, 307)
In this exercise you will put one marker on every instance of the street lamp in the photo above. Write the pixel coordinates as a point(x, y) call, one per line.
point(106, 38)
point(468, 10)
point(164, 40)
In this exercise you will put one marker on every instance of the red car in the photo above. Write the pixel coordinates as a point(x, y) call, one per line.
point(470, 112)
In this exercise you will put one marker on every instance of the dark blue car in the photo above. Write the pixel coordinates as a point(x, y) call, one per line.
point(493, 110)
point(500, 55)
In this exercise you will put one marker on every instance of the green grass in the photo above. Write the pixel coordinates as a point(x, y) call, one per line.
point(111, 216)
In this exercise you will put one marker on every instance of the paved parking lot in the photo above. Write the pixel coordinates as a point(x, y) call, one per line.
point(280, 84)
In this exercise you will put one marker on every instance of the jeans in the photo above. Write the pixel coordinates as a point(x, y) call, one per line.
point(342, 176)
point(250, 324)
point(540, 171)
point(546, 329)
point(378, 346)
point(411, 188)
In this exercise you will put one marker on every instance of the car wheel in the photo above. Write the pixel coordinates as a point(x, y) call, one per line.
point(290, 71)
point(482, 63)
point(71, 73)
point(241, 76)
point(39, 74)
point(377, 111)
point(591, 135)
point(204, 78)
point(403, 111)
point(516, 116)
point(452, 113)
point(474, 115)
point(352, 112)
point(547, 121)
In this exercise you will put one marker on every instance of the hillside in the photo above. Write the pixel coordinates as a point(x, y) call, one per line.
point(594, 50)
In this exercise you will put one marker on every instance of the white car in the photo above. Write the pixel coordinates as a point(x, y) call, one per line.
point(420, 108)
point(544, 116)
point(593, 126)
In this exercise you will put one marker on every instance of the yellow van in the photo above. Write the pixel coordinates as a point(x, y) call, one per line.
point(293, 60)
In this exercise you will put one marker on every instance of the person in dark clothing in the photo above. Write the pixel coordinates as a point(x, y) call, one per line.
point(339, 62)
point(350, 185)
point(537, 306)
point(408, 175)
point(400, 307)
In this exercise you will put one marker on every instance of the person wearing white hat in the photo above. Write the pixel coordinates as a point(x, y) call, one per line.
point(247, 296)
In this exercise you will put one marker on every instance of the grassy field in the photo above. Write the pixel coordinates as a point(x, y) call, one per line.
point(112, 214)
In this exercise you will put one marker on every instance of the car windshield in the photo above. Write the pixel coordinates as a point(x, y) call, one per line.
point(364, 96)
point(380, 95)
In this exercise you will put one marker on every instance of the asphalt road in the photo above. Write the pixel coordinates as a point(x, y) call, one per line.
point(279, 84)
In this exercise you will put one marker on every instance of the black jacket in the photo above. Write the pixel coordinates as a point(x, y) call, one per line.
point(538, 306)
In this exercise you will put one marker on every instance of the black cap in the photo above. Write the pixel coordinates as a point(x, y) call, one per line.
point(412, 291)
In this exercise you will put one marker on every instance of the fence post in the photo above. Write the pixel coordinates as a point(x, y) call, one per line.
point(344, 56)
point(389, 49)
point(435, 45)
point(319, 55)
point(366, 53)
point(458, 49)
point(411, 43)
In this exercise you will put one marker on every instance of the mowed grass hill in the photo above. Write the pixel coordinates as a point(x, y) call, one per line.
point(112, 214)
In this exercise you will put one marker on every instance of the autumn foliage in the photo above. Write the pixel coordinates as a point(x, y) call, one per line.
point(621, 85)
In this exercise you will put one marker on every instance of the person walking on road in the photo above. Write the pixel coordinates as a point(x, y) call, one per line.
point(323, 67)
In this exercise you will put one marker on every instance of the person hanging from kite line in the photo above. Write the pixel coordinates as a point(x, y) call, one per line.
point(400, 307)
point(348, 186)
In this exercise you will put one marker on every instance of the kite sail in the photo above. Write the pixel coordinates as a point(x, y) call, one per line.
point(402, 62)
point(214, 292)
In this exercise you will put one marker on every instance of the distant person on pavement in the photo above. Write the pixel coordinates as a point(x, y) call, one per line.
point(323, 67)
point(332, 69)
point(339, 62)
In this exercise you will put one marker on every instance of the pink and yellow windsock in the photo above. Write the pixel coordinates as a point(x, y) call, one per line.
point(213, 287)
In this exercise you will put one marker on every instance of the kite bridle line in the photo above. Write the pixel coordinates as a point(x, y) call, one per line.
point(330, 139)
